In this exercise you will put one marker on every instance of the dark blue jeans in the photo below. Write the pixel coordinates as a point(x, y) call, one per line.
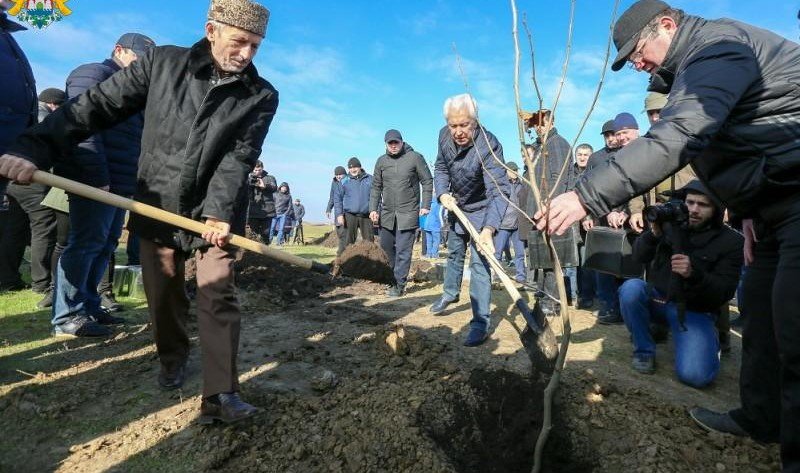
point(95, 229)
point(587, 279)
point(278, 222)
point(398, 245)
point(505, 237)
point(696, 348)
point(480, 283)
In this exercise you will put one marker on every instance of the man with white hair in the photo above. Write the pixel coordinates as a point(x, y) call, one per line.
point(207, 112)
point(468, 175)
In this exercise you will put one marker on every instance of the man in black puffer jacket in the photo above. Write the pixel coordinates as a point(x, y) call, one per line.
point(732, 113)
point(396, 183)
point(107, 160)
point(207, 112)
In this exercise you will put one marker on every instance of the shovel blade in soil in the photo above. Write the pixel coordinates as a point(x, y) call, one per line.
point(538, 338)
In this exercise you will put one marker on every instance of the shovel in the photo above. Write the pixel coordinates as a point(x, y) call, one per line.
point(161, 215)
point(537, 337)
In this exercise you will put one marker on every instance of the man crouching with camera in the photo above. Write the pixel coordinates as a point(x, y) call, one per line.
point(693, 262)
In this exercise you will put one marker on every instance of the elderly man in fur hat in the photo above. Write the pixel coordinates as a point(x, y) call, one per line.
point(207, 113)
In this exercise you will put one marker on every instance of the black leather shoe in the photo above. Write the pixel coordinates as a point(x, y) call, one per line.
point(80, 326)
point(584, 304)
point(476, 337)
point(396, 290)
point(172, 378)
point(108, 301)
point(610, 318)
point(104, 317)
point(46, 301)
point(225, 407)
point(439, 306)
point(721, 422)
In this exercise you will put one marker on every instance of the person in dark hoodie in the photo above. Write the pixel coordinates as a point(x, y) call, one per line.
point(396, 182)
point(732, 113)
point(283, 210)
point(351, 203)
point(709, 270)
point(261, 209)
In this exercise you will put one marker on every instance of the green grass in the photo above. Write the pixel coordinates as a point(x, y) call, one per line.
point(314, 252)
point(24, 327)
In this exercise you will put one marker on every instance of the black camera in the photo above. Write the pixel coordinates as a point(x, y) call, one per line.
point(674, 211)
point(253, 179)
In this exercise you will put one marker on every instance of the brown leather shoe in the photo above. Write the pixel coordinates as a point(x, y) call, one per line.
point(225, 407)
point(172, 378)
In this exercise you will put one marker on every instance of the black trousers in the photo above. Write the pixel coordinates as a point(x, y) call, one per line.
point(353, 223)
point(261, 226)
point(42, 229)
point(398, 245)
point(341, 233)
point(770, 371)
point(15, 234)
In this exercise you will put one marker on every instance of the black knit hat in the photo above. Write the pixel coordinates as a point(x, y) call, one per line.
point(52, 95)
point(339, 170)
point(353, 162)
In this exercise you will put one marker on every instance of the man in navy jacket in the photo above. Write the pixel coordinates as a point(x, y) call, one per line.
point(17, 112)
point(107, 160)
point(467, 175)
point(351, 202)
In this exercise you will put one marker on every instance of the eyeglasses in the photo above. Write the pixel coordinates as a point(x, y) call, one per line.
point(637, 55)
point(393, 142)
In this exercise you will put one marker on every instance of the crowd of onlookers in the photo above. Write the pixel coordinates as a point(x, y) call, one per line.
point(666, 263)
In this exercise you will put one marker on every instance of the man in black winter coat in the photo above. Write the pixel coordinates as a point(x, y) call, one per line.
point(396, 183)
point(41, 219)
point(732, 113)
point(297, 222)
point(706, 271)
point(207, 112)
point(107, 160)
point(261, 208)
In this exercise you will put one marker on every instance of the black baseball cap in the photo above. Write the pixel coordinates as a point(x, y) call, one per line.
point(608, 127)
point(630, 25)
point(392, 135)
point(136, 42)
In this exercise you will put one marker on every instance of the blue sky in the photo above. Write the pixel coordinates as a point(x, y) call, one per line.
point(347, 71)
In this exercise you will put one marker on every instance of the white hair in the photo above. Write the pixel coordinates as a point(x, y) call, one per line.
point(461, 103)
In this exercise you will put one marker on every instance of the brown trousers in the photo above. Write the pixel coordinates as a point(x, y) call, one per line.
point(218, 316)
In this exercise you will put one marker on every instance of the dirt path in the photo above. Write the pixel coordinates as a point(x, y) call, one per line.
point(351, 381)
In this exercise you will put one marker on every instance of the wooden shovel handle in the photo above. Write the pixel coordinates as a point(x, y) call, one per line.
point(170, 218)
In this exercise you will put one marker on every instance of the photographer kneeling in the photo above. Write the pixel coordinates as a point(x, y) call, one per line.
point(707, 274)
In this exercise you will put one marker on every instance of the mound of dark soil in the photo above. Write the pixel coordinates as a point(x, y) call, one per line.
point(279, 284)
point(328, 240)
point(364, 260)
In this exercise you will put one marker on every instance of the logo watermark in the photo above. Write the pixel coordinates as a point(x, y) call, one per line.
point(40, 13)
